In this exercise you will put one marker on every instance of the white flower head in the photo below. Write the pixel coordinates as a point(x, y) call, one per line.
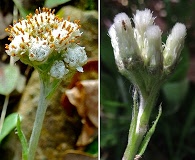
point(122, 39)
point(142, 20)
point(64, 37)
point(153, 45)
point(174, 44)
point(43, 38)
point(58, 70)
point(122, 23)
point(75, 57)
point(46, 27)
point(139, 52)
point(39, 51)
point(18, 46)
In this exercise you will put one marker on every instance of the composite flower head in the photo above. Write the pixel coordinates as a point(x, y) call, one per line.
point(44, 39)
point(139, 52)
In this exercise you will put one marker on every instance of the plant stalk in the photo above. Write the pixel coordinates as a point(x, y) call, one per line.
point(40, 114)
point(139, 124)
point(3, 113)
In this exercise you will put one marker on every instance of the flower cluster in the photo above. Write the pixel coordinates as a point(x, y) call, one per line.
point(139, 52)
point(144, 41)
point(45, 39)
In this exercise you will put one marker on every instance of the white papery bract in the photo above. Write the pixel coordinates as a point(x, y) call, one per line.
point(43, 38)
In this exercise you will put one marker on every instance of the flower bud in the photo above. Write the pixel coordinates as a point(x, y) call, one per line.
point(123, 41)
point(174, 45)
point(58, 70)
point(75, 57)
point(142, 20)
point(153, 46)
point(139, 53)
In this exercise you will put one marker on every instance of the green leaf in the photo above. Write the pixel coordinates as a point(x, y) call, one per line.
point(8, 79)
point(54, 3)
point(149, 134)
point(22, 139)
point(21, 9)
point(54, 85)
point(92, 148)
point(109, 88)
point(8, 125)
point(175, 93)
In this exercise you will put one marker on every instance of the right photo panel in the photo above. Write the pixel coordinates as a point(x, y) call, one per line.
point(147, 75)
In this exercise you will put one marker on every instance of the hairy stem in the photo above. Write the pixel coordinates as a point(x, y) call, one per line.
point(3, 113)
point(40, 114)
point(139, 124)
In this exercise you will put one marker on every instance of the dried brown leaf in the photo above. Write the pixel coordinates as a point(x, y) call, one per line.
point(84, 96)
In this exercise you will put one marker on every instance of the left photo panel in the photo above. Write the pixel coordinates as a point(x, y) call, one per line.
point(49, 80)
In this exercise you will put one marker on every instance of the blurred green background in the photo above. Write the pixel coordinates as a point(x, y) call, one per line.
point(174, 135)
